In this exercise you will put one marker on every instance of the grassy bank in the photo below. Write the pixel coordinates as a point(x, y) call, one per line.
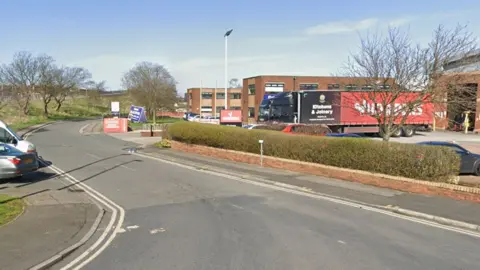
point(71, 109)
point(159, 121)
point(10, 208)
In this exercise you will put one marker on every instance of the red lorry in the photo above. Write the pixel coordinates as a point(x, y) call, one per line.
point(342, 111)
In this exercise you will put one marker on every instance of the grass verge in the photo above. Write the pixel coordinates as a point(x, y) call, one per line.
point(159, 120)
point(10, 208)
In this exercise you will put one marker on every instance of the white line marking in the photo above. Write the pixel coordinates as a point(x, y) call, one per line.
point(92, 155)
point(128, 168)
point(155, 231)
point(84, 127)
point(129, 228)
point(115, 208)
point(237, 206)
point(341, 242)
point(280, 187)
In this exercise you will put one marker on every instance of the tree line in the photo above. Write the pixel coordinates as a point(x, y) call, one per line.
point(28, 76)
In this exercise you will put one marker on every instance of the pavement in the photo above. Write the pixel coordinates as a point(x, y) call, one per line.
point(181, 218)
point(54, 219)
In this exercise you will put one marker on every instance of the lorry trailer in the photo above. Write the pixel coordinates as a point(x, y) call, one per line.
point(345, 111)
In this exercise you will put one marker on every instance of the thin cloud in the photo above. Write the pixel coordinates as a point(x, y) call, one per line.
point(340, 27)
point(401, 21)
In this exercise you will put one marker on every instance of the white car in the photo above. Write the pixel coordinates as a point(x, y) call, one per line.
point(10, 138)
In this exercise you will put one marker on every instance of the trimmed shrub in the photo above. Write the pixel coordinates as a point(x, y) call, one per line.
point(409, 160)
point(319, 130)
point(276, 127)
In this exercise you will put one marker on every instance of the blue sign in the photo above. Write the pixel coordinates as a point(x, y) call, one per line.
point(269, 96)
point(137, 114)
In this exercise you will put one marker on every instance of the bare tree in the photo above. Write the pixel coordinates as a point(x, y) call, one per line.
point(46, 84)
point(399, 77)
point(67, 80)
point(94, 90)
point(234, 83)
point(152, 86)
point(23, 75)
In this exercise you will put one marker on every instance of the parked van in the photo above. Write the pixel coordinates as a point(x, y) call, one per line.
point(9, 137)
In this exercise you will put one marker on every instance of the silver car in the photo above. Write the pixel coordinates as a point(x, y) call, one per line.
point(14, 163)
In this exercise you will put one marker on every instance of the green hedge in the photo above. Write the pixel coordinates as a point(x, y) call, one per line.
point(408, 160)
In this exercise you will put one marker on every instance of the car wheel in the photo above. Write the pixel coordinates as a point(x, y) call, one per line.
point(476, 170)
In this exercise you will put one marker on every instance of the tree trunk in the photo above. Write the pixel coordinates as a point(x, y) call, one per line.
point(45, 109)
point(154, 115)
point(59, 105)
point(26, 108)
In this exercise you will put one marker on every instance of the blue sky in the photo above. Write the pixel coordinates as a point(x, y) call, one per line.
point(269, 37)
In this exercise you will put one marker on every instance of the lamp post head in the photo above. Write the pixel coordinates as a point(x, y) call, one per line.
point(228, 33)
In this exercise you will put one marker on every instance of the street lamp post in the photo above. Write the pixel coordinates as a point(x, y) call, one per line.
point(226, 63)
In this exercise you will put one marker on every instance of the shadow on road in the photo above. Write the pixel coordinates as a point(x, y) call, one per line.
point(102, 172)
point(40, 175)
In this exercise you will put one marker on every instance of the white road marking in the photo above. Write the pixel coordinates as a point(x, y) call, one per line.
point(302, 192)
point(129, 228)
point(84, 127)
point(237, 206)
point(116, 210)
point(121, 230)
point(128, 168)
point(109, 204)
point(93, 155)
point(341, 242)
point(155, 231)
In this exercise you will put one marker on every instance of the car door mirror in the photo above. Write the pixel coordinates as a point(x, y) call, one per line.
point(14, 141)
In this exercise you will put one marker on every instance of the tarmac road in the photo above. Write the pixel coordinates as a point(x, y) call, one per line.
point(177, 218)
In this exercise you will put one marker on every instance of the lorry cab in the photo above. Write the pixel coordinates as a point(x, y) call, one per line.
point(9, 137)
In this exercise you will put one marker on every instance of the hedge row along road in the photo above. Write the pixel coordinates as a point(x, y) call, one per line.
point(407, 160)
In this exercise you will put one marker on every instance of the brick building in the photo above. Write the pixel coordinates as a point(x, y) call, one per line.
point(209, 101)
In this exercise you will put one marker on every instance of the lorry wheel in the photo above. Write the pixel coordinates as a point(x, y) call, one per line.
point(397, 133)
point(408, 131)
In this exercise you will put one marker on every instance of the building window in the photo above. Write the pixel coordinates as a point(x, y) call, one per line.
point(251, 89)
point(351, 87)
point(206, 109)
point(235, 108)
point(251, 112)
point(332, 86)
point(218, 109)
point(235, 96)
point(206, 95)
point(367, 87)
point(274, 87)
point(220, 95)
point(308, 86)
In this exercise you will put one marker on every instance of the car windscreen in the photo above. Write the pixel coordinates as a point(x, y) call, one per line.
point(18, 138)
